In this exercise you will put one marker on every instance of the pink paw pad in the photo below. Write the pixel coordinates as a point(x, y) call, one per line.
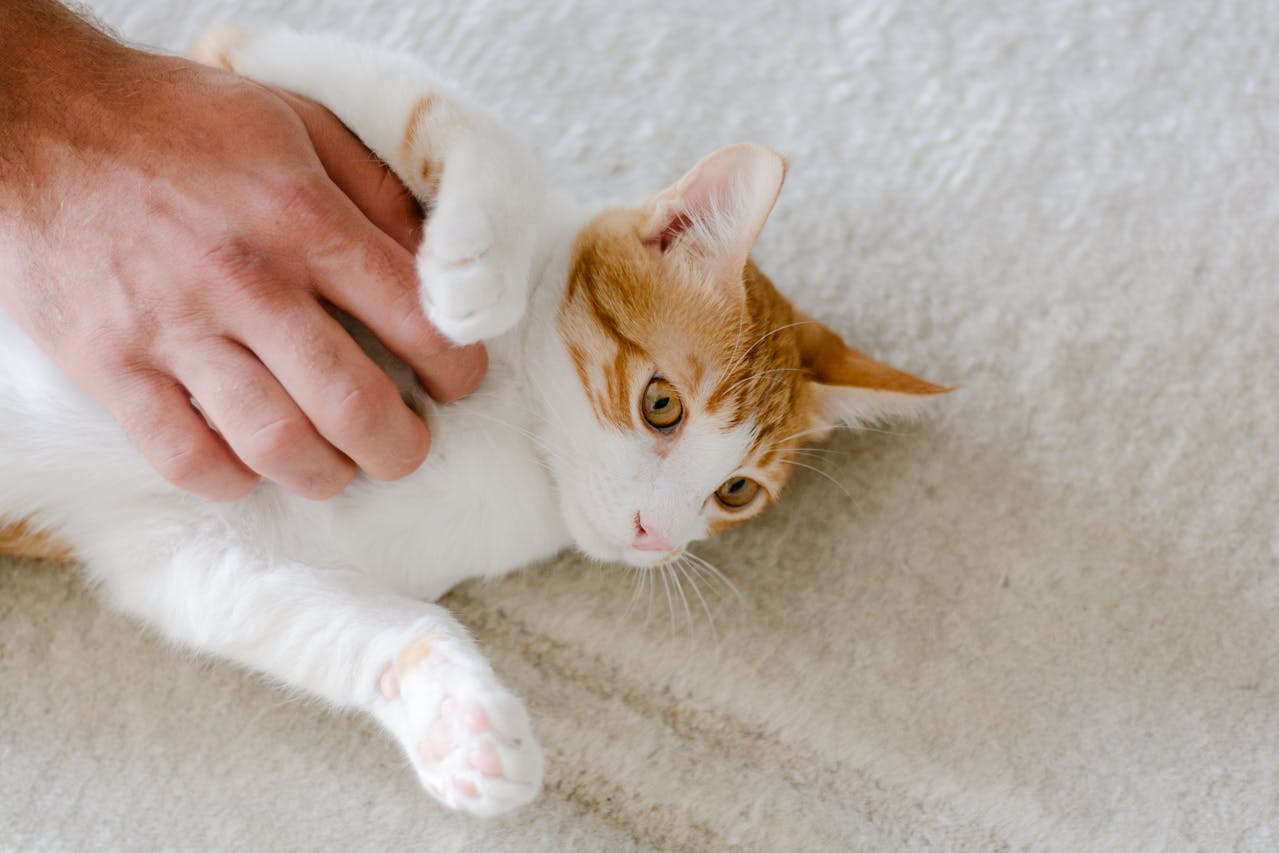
point(469, 738)
point(389, 684)
point(476, 719)
point(438, 743)
point(484, 759)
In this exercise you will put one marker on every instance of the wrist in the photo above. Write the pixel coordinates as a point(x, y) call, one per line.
point(61, 82)
point(43, 44)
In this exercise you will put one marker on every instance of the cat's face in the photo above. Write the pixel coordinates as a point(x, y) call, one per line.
point(693, 380)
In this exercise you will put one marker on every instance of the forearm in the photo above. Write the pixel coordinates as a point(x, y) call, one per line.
point(56, 73)
point(43, 43)
point(163, 224)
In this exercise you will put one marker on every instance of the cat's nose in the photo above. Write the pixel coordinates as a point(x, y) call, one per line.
point(647, 539)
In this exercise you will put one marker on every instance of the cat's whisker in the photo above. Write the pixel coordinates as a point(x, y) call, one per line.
point(683, 566)
point(558, 422)
point(762, 374)
point(840, 426)
point(637, 575)
point(822, 473)
point(670, 602)
point(679, 588)
point(532, 437)
point(651, 583)
point(738, 362)
point(501, 255)
point(714, 585)
point(732, 358)
point(818, 452)
point(790, 454)
point(716, 575)
point(880, 430)
point(801, 434)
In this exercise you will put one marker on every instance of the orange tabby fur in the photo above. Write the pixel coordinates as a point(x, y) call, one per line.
point(716, 345)
point(20, 540)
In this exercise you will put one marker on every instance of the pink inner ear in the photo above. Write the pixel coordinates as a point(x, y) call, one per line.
point(670, 233)
point(716, 210)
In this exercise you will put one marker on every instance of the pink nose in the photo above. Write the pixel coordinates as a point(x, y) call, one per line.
point(648, 540)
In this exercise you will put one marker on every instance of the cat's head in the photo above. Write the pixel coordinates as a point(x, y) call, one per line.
point(693, 380)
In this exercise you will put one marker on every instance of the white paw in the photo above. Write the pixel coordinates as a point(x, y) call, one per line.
point(475, 276)
point(217, 47)
point(467, 736)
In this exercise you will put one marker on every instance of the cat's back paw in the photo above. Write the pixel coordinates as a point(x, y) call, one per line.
point(469, 738)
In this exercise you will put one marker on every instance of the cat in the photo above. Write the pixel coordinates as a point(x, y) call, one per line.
point(647, 387)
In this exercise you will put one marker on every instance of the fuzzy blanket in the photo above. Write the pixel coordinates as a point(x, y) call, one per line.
point(1046, 617)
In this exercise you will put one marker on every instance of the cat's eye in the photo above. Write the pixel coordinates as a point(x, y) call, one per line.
point(737, 492)
point(662, 407)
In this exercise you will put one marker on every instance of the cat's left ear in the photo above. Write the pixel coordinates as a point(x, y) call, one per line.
point(708, 220)
point(853, 388)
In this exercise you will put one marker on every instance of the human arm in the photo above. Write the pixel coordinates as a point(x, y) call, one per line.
point(170, 232)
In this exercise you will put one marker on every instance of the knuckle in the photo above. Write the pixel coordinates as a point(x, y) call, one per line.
point(237, 262)
point(318, 345)
point(121, 346)
point(393, 198)
point(330, 484)
point(188, 463)
point(296, 198)
point(360, 410)
point(272, 445)
point(417, 335)
point(108, 351)
point(383, 262)
point(402, 466)
point(455, 373)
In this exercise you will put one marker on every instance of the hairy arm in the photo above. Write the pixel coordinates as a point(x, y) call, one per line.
point(170, 232)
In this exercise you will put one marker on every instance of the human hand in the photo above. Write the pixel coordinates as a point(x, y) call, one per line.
point(172, 232)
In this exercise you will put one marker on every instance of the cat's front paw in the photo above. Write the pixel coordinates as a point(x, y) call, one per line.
point(474, 284)
point(468, 737)
point(217, 47)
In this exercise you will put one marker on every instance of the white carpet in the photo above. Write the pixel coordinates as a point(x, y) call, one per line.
point(1046, 618)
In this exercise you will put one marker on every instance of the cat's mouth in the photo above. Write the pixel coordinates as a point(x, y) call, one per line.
point(595, 542)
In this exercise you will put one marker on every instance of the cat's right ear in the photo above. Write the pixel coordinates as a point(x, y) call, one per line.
point(708, 220)
point(851, 387)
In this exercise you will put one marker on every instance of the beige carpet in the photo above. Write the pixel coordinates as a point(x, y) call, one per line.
point(1046, 618)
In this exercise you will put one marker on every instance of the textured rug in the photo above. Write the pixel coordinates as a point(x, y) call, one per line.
point(1046, 617)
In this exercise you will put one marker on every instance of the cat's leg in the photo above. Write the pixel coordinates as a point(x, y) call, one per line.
point(483, 189)
point(332, 634)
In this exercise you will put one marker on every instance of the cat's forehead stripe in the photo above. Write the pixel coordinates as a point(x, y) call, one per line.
point(616, 298)
point(619, 385)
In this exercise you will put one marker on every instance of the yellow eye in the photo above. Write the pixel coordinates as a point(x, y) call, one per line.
point(737, 492)
point(662, 406)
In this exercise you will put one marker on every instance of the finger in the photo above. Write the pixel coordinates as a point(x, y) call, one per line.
point(375, 281)
point(358, 172)
point(260, 422)
point(382, 292)
point(157, 415)
point(353, 404)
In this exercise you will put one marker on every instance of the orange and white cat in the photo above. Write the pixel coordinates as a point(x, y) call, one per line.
point(647, 388)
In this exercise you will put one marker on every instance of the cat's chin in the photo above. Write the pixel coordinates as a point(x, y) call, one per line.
point(597, 547)
point(632, 557)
